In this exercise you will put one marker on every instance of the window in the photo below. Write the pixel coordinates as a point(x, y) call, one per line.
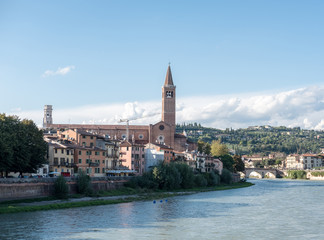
point(140, 136)
point(67, 152)
point(91, 144)
point(103, 154)
point(91, 137)
point(103, 161)
point(80, 152)
point(83, 144)
point(55, 150)
point(62, 150)
point(97, 153)
point(103, 170)
point(83, 137)
point(80, 160)
point(143, 156)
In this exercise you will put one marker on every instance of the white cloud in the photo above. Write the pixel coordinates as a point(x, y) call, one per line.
point(302, 107)
point(59, 71)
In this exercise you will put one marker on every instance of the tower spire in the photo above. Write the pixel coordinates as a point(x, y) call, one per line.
point(168, 78)
point(168, 100)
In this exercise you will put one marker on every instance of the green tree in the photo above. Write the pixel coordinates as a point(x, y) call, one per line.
point(238, 164)
point(207, 148)
point(61, 188)
point(226, 176)
point(218, 149)
point(228, 162)
point(203, 147)
point(22, 148)
point(83, 183)
point(186, 174)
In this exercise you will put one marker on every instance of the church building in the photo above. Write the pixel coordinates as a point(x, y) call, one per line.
point(163, 132)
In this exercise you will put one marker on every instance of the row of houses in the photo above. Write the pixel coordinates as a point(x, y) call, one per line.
point(291, 161)
point(74, 150)
point(304, 161)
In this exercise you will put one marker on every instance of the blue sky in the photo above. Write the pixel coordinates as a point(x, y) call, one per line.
point(83, 55)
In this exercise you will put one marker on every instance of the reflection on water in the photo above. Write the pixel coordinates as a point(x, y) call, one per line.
point(271, 209)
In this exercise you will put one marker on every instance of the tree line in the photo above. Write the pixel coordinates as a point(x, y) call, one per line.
point(22, 148)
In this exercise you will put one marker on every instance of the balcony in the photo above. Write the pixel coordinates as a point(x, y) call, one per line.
point(94, 164)
point(63, 164)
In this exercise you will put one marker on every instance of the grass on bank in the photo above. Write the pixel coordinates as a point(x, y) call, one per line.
point(142, 195)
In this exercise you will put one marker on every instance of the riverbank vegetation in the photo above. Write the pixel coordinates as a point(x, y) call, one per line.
point(318, 174)
point(297, 174)
point(123, 195)
point(174, 176)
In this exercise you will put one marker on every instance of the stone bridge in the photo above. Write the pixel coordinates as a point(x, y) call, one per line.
point(260, 173)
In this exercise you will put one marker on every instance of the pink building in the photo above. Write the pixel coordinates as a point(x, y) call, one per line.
point(132, 156)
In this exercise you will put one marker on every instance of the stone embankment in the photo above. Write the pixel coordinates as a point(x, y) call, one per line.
point(22, 188)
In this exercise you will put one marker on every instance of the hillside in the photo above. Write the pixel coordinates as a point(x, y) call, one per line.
point(259, 139)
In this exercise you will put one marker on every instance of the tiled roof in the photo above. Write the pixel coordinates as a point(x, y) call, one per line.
point(85, 133)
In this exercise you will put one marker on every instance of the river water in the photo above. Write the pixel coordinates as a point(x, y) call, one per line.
point(271, 209)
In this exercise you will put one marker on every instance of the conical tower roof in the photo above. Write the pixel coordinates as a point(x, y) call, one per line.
point(168, 78)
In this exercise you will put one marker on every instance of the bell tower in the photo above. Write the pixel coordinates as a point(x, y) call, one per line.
point(47, 116)
point(169, 100)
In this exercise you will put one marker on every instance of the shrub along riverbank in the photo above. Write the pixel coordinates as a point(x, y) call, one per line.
point(297, 174)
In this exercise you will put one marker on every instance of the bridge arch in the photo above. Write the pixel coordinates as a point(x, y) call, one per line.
point(254, 174)
point(269, 175)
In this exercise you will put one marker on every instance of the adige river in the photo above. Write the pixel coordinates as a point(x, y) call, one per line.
point(271, 209)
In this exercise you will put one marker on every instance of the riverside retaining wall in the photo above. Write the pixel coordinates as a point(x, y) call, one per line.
point(16, 188)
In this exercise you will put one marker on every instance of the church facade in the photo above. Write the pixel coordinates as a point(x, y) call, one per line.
point(163, 132)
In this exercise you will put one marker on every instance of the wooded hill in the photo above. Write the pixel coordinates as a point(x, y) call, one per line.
point(258, 139)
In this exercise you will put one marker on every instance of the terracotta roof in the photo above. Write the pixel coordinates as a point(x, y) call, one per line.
point(82, 132)
point(309, 155)
point(168, 78)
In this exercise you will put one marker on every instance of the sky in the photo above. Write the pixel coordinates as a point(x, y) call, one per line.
point(235, 63)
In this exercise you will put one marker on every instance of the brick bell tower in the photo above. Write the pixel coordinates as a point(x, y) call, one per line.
point(169, 100)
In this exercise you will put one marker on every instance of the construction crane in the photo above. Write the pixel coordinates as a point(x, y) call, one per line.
point(127, 123)
point(127, 127)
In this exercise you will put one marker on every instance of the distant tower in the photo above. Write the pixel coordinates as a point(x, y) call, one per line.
point(169, 100)
point(47, 116)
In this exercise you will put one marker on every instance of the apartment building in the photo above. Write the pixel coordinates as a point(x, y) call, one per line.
point(132, 156)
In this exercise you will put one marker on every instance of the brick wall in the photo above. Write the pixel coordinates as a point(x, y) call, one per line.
point(16, 188)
